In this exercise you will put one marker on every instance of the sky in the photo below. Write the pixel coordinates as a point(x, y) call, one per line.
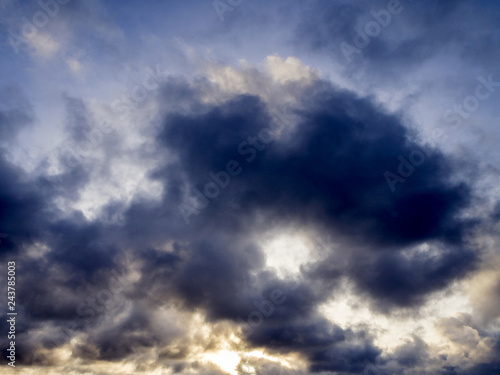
point(250, 188)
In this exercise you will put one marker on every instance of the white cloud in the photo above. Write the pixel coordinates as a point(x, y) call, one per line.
point(44, 45)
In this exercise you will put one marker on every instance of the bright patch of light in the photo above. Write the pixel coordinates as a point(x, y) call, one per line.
point(226, 360)
point(285, 360)
point(348, 310)
point(248, 368)
point(285, 253)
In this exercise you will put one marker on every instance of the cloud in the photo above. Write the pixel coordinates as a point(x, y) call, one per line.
point(243, 167)
point(16, 112)
point(407, 32)
point(323, 172)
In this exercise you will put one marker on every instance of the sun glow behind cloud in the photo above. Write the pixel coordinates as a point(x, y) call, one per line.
point(286, 252)
point(225, 360)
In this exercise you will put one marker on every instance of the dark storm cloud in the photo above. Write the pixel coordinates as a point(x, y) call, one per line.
point(56, 279)
point(29, 203)
point(21, 204)
point(221, 270)
point(325, 172)
point(326, 346)
point(44, 193)
point(331, 169)
point(62, 257)
point(404, 281)
point(123, 339)
point(26, 207)
point(413, 353)
point(21, 207)
point(485, 369)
